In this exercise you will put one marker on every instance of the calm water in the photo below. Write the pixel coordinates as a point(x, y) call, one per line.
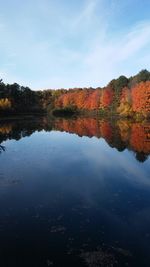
point(74, 192)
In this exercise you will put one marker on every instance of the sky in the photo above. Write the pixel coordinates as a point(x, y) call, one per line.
point(73, 43)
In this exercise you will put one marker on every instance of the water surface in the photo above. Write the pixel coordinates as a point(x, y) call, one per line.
point(74, 192)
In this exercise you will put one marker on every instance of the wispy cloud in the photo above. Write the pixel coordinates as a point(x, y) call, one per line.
point(111, 57)
point(51, 45)
point(85, 16)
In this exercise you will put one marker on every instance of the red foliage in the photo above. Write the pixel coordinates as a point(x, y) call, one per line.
point(141, 97)
point(86, 127)
point(80, 126)
point(106, 130)
point(93, 99)
point(107, 97)
point(135, 136)
point(82, 99)
point(140, 138)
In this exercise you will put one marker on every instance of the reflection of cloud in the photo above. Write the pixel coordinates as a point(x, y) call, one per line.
point(141, 219)
point(133, 172)
point(110, 162)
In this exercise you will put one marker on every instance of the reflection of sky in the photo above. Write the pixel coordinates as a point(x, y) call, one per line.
point(62, 152)
point(64, 171)
point(109, 159)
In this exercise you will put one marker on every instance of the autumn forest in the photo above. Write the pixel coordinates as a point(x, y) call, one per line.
point(125, 97)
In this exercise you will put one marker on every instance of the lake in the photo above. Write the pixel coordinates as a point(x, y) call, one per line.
point(74, 192)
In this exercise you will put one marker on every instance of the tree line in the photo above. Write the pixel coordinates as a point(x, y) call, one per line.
point(16, 99)
point(123, 96)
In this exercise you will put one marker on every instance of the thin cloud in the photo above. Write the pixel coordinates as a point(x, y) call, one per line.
point(55, 45)
point(107, 55)
point(86, 15)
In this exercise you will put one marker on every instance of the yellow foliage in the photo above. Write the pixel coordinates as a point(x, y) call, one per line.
point(5, 103)
point(124, 129)
point(124, 109)
point(5, 129)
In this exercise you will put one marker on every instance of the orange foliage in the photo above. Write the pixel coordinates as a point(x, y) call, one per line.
point(86, 127)
point(135, 136)
point(107, 97)
point(140, 138)
point(80, 126)
point(136, 99)
point(93, 100)
point(82, 99)
point(141, 98)
point(106, 130)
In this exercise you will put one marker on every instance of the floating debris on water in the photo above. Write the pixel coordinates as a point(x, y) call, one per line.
point(110, 257)
point(49, 263)
point(58, 229)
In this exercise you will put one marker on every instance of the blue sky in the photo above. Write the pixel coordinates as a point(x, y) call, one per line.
point(66, 43)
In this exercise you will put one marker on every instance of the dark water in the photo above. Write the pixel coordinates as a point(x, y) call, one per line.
point(74, 192)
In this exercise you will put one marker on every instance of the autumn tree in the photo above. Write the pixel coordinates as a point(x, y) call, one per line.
point(5, 104)
point(141, 98)
point(106, 97)
point(125, 107)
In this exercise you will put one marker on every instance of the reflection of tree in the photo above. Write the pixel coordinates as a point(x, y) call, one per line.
point(121, 134)
point(106, 131)
point(140, 156)
point(21, 128)
point(2, 148)
point(140, 141)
